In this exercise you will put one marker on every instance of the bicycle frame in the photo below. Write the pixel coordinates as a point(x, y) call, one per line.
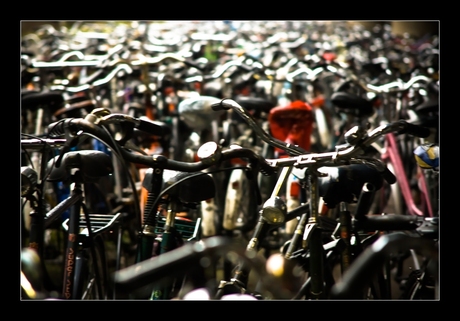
point(393, 155)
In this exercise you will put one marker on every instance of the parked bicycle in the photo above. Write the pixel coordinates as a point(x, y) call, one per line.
point(309, 231)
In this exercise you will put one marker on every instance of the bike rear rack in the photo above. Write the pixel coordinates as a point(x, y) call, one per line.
point(99, 223)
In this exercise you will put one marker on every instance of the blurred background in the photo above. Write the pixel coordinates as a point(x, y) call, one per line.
point(413, 28)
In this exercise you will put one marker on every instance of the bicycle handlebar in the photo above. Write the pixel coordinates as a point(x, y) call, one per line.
point(209, 153)
point(313, 73)
point(84, 61)
point(159, 59)
point(96, 83)
point(357, 141)
point(397, 86)
point(121, 64)
point(226, 104)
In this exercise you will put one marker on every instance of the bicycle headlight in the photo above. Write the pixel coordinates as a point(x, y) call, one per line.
point(28, 181)
point(274, 210)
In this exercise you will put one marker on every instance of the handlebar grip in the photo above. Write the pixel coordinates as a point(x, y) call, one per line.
point(220, 106)
point(58, 128)
point(152, 127)
point(414, 130)
point(388, 176)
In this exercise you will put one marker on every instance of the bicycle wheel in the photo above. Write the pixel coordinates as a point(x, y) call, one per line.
point(91, 275)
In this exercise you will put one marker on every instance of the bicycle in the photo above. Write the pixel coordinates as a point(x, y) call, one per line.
point(159, 162)
point(423, 282)
point(85, 273)
point(81, 169)
point(310, 230)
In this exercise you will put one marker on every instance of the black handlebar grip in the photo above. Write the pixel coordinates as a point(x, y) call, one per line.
point(57, 128)
point(221, 106)
point(217, 106)
point(388, 176)
point(151, 127)
point(415, 130)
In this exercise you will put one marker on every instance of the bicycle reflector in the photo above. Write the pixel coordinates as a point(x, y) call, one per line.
point(427, 156)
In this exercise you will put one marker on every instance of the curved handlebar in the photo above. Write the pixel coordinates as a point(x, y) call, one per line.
point(345, 156)
point(301, 158)
point(397, 86)
point(120, 64)
point(210, 152)
point(159, 59)
point(85, 60)
point(96, 83)
point(313, 73)
point(231, 104)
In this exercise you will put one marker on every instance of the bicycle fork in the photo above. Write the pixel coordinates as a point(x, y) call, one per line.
point(312, 239)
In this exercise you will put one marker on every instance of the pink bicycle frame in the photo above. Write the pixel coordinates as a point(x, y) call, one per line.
point(392, 153)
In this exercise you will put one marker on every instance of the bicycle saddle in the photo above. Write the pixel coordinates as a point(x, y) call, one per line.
point(32, 99)
point(192, 189)
point(343, 183)
point(352, 104)
point(428, 113)
point(255, 105)
point(92, 164)
point(197, 113)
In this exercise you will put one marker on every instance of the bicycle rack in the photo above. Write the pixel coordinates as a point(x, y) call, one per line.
point(99, 223)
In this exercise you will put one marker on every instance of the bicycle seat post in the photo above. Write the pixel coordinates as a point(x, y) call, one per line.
point(72, 239)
